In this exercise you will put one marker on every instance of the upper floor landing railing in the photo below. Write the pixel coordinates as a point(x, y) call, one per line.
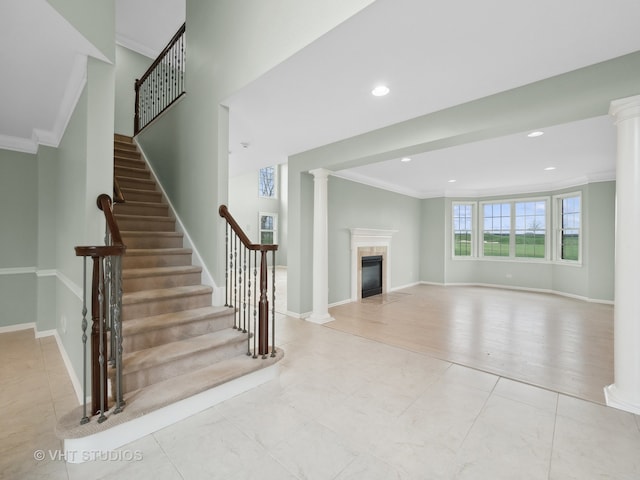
point(162, 84)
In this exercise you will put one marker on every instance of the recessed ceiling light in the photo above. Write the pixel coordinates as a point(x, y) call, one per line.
point(405, 159)
point(535, 134)
point(380, 91)
point(452, 181)
point(550, 168)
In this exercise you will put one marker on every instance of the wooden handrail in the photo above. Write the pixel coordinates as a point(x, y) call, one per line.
point(224, 213)
point(118, 195)
point(173, 40)
point(150, 104)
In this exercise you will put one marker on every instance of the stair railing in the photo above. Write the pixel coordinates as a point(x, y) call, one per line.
point(106, 309)
point(162, 84)
point(241, 280)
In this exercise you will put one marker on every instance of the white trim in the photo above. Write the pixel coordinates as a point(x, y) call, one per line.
point(77, 386)
point(17, 327)
point(78, 450)
point(516, 190)
point(207, 278)
point(137, 47)
point(369, 237)
point(75, 381)
point(75, 289)
point(614, 399)
point(524, 289)
point(47, 273)
point(17, 270)
point(73, 90)
point(18, 144)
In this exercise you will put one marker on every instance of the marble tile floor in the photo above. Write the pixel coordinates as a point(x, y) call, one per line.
point(343, 407)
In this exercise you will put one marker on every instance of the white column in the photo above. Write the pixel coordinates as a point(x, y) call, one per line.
point(625, 392)
point(320, 312)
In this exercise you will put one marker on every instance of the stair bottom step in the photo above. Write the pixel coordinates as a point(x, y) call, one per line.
point(152, 408)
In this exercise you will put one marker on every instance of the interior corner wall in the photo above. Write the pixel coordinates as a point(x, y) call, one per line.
point(600, 234)
point(18, 255)
point(354, 205)
point(47, 238)
point(130, 66)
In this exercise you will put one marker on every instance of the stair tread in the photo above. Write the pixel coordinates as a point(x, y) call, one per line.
point(164, 293)
point(142, 233)
point(157, 251)
point(167, 320)
point(158, 271)
point(155, 218)
point(169, 352)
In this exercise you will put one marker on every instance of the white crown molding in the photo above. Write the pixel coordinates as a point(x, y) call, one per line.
point(574, 182)
point(137, 47)
point(51, 138)
point(18, 144)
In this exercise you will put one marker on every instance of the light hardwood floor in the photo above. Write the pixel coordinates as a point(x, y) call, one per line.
point(554, 342)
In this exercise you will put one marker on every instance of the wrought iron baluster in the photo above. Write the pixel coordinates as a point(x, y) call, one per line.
point(249, 302)
point(101, 361)
point(255, 310)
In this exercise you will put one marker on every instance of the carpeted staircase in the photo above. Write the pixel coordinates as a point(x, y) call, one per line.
point(180, 353)
point(169, 324)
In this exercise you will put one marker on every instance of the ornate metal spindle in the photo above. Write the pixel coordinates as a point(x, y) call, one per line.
point(273, 303)
point(101, 361)
point(235, 282)
point(249, 302)
point(240, 286)
point(117, 329)
point(244, 297)
point(226, 265)
point(255, 310)
point(263, 340)
point(84, 419)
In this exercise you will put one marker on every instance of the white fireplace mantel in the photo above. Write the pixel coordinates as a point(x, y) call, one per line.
point(365, 238)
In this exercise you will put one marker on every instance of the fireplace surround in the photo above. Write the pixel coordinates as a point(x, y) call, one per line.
point(366, 242)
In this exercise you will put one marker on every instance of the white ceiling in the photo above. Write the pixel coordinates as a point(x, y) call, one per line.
point(432, 55)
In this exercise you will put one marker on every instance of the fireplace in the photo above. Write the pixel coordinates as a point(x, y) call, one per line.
point(368, 242)
point(371, 275)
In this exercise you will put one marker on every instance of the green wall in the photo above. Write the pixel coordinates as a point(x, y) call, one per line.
point(18, 237)
point(354, 205)
point(592, 280)
point(129, 67)
point(229, 44)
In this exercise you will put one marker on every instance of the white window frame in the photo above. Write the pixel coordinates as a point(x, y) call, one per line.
point(557, 228)
point(275, 226)
point(512, 235)
point(474, 230)
point(275, 182)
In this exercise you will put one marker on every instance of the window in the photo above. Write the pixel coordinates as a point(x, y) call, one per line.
point(497, 229)
point(515, 229)
point(268, 223)
point(569, 227)
point(531, 227)
point(267, 182)
point(463, 229)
